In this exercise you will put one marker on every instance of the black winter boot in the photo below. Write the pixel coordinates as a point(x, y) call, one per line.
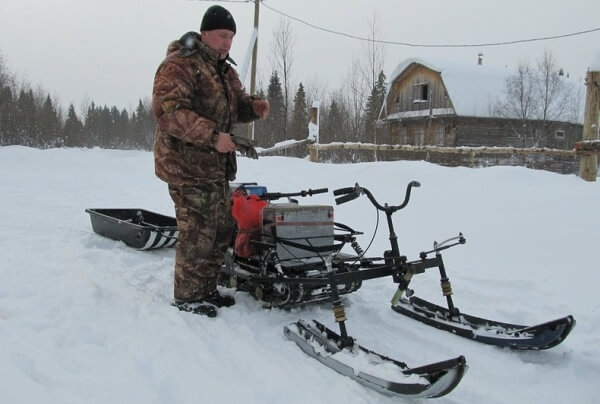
point(197, 307)
point(219, 300)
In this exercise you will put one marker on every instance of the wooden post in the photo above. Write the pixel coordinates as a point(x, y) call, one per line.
point(588, 165)
point(313, 130)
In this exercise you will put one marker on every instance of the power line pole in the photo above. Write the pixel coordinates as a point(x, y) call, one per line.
point(253, 69)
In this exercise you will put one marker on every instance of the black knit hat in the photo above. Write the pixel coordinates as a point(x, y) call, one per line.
point(217, 17)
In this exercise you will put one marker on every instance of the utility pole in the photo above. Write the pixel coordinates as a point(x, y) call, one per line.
point(253, 69)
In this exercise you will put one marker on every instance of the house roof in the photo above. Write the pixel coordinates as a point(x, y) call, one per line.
point(472, 88)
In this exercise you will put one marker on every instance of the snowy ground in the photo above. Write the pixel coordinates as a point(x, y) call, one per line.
point(84, 319)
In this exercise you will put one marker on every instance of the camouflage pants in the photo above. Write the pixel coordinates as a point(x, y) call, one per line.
point(205, 231)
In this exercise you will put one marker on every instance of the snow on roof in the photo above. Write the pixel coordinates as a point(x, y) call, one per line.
point(472, 88)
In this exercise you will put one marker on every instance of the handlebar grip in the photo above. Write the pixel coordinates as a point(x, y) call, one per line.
point(343, 191)
point(271, 195)
point(346, 198)
point(318, 191)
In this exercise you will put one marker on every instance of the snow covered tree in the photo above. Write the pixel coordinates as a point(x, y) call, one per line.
point(299, 123)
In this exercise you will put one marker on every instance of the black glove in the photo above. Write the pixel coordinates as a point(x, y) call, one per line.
point(245, 146)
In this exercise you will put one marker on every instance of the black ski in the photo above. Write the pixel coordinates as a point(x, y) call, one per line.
point(540, 336)
point(323, 344)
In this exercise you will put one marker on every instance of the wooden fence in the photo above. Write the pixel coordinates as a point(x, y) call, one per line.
point(555, 160)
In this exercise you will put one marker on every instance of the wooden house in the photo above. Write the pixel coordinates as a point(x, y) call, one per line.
point(448, 104)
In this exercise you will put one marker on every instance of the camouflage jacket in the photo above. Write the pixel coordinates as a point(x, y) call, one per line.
point(195, 96)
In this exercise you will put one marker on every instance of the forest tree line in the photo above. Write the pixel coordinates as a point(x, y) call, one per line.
point(33, 118)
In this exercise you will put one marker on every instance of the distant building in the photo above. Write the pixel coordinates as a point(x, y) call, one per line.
point(448, 104)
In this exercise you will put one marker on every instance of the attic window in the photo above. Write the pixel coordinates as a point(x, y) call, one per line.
point(421, 92)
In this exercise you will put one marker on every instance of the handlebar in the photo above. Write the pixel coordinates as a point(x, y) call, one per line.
point(303, 193)
point(351, 193)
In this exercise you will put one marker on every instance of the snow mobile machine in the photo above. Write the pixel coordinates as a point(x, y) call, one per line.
point(296, 257)
point(287, 254)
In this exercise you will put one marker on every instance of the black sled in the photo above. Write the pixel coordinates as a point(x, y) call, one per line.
point(138, 228)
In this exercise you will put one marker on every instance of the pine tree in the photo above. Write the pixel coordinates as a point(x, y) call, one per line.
point(8, 128)
point(330, 123)
point(299, 124)
point(91, 128)
point(374, 103)
point(335, 123)
point(49, 126)
point(73, 129)
point(105, 122)
point(26, 119)
point(144, 127)
point(275, 122)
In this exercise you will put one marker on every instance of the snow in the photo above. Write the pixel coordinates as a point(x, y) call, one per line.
point(87, 319)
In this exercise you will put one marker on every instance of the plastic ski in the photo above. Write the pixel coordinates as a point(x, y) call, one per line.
point(375, 371)
point(540, 336)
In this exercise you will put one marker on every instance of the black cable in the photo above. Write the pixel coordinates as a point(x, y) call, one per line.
point(545, 38)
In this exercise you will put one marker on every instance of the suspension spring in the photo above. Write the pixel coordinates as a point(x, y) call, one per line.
point(356, 247)
point(339, 312)
point(277, 262)
point(446, 287)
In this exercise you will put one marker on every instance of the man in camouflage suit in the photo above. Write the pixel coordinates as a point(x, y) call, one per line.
point(196, 100)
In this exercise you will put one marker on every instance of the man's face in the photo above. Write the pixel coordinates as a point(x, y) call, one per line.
point(219, 40)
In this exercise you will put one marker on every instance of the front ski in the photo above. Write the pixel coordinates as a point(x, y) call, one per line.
point(378, 372)
point(540, 336)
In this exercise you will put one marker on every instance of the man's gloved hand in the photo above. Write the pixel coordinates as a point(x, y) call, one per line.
point(245, 146)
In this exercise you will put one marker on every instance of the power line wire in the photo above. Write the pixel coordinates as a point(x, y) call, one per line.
point(430, 45)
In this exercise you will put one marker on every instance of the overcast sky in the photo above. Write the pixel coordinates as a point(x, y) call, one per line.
point(107, 50)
